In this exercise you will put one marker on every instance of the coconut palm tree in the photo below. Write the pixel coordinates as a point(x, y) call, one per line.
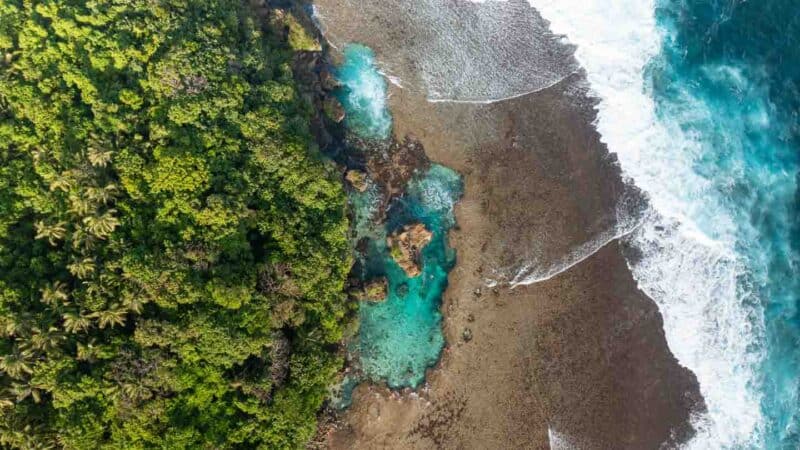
point(75, 322)
point(16, 364)
point(44, 341)
point(115, 315)
point(62, 182)
point(80, 205)
point(101, 195)
point(55, 293)
point(15, 325)
point(82, 239)
point(99, 157)
point(101, 225)
point(136, 391)
point(52, 232)
point(134, 303)
point(82, 268)
point(21, 391)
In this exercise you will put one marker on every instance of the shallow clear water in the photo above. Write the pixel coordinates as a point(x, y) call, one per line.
point(456, 50)
point(401, 337)
point(363, 94)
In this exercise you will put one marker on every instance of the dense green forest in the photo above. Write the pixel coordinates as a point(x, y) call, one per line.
point(172, 252)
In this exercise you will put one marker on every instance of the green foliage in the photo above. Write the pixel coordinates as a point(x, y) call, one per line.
point(299, 39)
point(172, 253)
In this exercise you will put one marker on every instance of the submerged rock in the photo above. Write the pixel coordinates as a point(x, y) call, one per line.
point(406, 245)
point(357, 179)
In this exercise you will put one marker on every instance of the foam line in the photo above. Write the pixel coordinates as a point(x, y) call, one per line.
point(573, 259)
point(498, 100)
point(558, 441)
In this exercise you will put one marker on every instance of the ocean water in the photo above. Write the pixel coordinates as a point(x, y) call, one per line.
point(402, 337)
point(456, 51)
point(700, 99)
point(363, 94)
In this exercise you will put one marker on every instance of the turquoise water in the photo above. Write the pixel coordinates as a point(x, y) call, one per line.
point(363, 93)
point(729, 76)
point(402, 337)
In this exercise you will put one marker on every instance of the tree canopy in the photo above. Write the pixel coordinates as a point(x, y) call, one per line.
point(172, 251)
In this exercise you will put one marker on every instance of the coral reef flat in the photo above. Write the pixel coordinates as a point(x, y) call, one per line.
point(548, 339)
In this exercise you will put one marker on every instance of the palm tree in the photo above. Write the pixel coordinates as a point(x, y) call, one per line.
point(136, 391)
point(101, 195)
point(82, 239)
point(14, 325)
point(82, 268)
point(21, 391)
point(79, 205)
point(8, 325)
point(115, 315)
point(99, 157)
point(55, 293)
point(6, 402)
point(75, 322)
point(43, 341)
point(101, 225)
point(90, 351)
point(54, 232)
point(62, 182)
point(15, 364)
point(134, 303)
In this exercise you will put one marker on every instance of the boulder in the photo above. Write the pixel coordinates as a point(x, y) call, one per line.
point(406, 246)
point(333, 108)
point(328, 81)
point(373, 291)
point(466, 335)
point(357, 179)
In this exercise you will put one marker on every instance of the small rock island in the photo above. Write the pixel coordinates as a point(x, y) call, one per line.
point(406, 244)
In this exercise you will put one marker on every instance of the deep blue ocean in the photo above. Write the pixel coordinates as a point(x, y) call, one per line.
point(740, 60)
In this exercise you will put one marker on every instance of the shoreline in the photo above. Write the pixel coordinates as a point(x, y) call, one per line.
point(580, 355)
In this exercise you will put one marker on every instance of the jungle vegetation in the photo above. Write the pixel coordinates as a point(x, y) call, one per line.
point(172, 250)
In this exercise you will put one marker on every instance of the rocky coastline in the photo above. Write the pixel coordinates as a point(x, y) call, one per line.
point(381, 167)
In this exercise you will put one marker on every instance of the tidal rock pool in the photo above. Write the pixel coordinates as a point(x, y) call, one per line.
point(401, 337)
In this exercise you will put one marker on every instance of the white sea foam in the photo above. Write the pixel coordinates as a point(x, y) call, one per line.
point(689, 265)
point(559, 441)
point(489, 101)
point(628, 217)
